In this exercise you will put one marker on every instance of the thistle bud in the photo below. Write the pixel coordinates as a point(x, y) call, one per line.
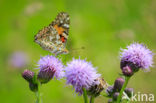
point(110, 101)
point(33, 87)
point(109, 90)
point(129, 91)
point(28, 75)
point(118, 84)
point(115, 96)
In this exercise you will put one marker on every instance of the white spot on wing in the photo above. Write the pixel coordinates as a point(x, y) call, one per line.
point(50, 38)
point(57, 37)
point(66, 25)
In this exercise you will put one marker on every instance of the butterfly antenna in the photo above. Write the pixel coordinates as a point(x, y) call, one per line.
point(81, 48)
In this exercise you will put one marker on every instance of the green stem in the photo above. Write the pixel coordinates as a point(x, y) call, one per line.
point(92, 99)
point(38, 95)
point(85, 96)
point(123, 88)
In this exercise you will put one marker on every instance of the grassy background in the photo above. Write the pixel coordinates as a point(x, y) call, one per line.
point(102, 27)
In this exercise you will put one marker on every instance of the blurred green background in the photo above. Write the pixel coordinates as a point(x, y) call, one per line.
point(101, 27)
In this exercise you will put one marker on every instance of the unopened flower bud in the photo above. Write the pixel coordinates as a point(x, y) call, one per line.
point(115, 95)
point(33, 87)
point(127, 71)
point(118, 84)
point(110, 101)
point(129, 91)
point(109, 91)
point(28, 75)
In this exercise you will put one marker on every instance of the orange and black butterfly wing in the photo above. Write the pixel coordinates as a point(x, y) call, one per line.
point(61, 24)
point(54, 36)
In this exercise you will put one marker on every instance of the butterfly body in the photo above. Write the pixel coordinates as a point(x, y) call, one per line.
point(53, 38)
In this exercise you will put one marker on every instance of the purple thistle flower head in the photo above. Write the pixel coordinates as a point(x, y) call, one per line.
point(50, 66)
point(80, 74)
point(138, 55)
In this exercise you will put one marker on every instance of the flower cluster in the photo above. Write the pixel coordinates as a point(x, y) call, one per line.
point(49, 67)
point(113, 91)
point(29, 76)
point(78, 73)
point(134, 57)
point(84, 77)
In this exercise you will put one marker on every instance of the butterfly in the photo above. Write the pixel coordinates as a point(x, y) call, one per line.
point(53, 38)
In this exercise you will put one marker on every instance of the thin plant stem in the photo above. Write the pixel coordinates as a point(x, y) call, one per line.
point(38, 95)
point(92, 99)
point(123, 88)
point(85, 96)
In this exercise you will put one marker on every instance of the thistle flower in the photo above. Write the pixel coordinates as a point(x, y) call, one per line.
point(137, 55)
point(49, 67)
point(80, 74)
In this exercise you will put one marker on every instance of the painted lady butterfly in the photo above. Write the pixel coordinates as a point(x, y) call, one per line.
point(54, 37)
